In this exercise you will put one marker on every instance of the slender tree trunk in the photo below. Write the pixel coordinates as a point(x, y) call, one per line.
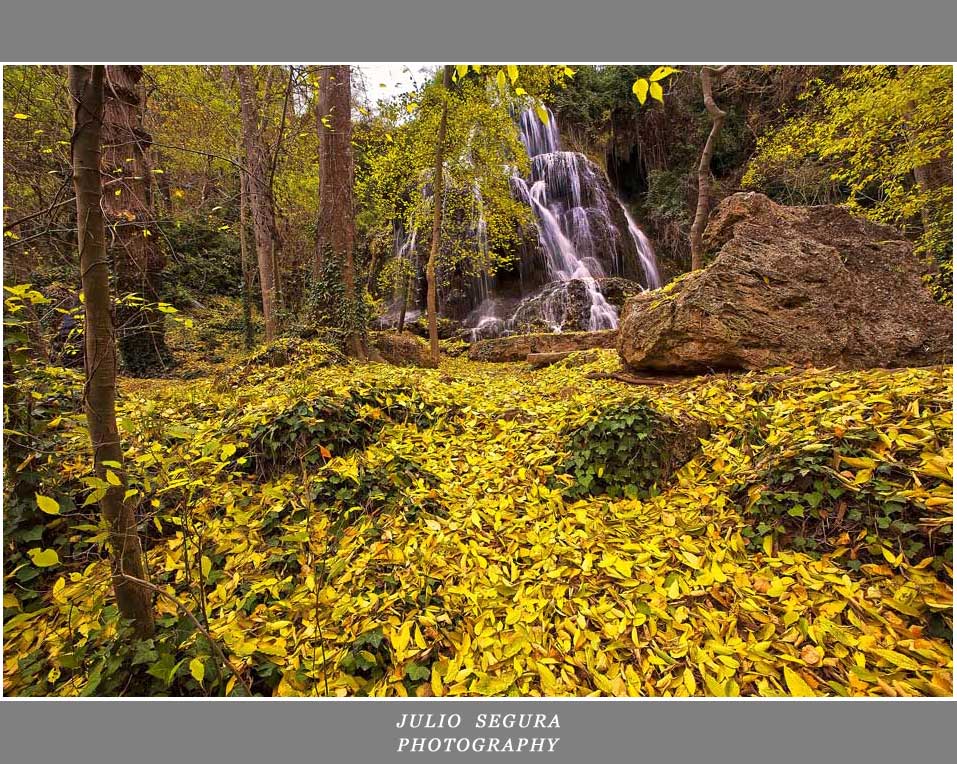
point(337, 224)
point(86, 90)
point(437, 194)
point(244, 260)
point(260, 198)
point(138, 260)
point(708, 76)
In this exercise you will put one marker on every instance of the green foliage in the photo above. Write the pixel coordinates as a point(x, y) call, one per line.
point(845, 486)
point(629, 449)
point(204, 260)
point(288, 350)
point(393, 182)
point(38, 406)
point(861, 140)
point(308, 433)
point(327, 304)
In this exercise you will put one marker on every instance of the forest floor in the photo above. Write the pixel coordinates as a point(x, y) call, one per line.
point(352, 529)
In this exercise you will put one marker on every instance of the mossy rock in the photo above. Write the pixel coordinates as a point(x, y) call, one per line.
point(400, 349)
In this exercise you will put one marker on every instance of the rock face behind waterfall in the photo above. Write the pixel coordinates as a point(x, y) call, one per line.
point(790, 285)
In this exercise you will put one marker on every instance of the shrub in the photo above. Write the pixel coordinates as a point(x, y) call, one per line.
point(833, 493)
point(629, 449)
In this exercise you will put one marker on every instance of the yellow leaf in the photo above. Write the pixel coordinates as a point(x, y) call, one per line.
point(436, 681)
point(899, 660)
point(661, 72)
point(796, 685)
point(513, 73)
point(48, 505)
point(640, 89)
point(197, 669)
point(656, 92)
point(547, 678)
point(768, 545)
point(718, 574)
point(44, 558)
point(228, 450)
point(542, 113)
point(462, 69)
point(687, 679)
point(500, 79)
point(893, 559)
point(207, 565)
point(21, 115)
point(112, 478)
point(400, 639)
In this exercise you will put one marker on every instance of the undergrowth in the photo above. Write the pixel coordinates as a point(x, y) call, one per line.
point(358, 529)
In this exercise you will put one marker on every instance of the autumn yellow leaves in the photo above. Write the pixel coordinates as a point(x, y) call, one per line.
point(475, 573)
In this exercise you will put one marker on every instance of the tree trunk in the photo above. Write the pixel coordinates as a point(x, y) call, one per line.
point(244, 261)
point(260, 197)
point(437, 194)
point(133, 600)
point(337, 226)
point(708, 75)
point(138, 261)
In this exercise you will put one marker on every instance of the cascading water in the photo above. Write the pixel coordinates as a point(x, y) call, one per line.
point(580, 224)
point(584, 253)
point(564, 262)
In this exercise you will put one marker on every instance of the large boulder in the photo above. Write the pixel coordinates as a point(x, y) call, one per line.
point(790, 285)
point(399, 349)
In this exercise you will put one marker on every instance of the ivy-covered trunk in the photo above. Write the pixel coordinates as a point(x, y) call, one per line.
point(334, 265)
point(138, 259)
point(133, 600)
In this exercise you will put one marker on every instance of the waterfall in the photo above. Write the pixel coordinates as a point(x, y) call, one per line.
point(649, 264)
point(563, 261)
point(585, 249)
point(574, 207)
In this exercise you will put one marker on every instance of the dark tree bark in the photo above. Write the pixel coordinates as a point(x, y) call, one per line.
point(244, 260)
point(138, 260)
point(260, 198)
point(337, 227)
point(437, 195)
point(708, 76)
point(87, 96)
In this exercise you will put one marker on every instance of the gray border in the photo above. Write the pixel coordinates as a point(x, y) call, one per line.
point(657, 732)
point(479, 30)
point(612, 732)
